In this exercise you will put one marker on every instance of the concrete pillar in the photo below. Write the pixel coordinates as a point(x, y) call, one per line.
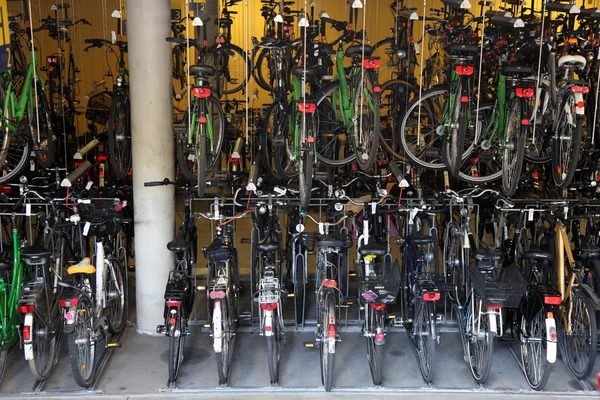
point(150, 69)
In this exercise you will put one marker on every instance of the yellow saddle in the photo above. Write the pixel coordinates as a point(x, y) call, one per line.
point(83, 267)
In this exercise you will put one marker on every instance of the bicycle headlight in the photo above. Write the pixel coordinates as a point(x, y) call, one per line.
point(119, 81)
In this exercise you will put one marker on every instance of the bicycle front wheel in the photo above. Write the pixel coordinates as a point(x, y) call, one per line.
point(82, 345)
point(39, 118)
point(226, 355)
point(480, 338)
point(567, 141)
point(365, 119)
point(45, 334)
point(455, 139)
point(581, 344)
point(119, 135)
point(514, 147)
point(116, 296)
point(533, 350)
point(274, 352)
point(14, 152)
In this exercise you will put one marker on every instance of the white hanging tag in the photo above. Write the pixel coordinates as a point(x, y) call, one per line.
point(86, 228)
point(28, 209)
point(89, 185)
point(466, 243)
point(530, 216)
point(566, 210)
point(417, 48)
point(113, 37)
point(321, 228)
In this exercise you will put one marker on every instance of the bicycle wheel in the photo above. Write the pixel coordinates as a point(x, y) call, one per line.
point(424, 330)
point(581, 344)
point(395, 97)
point(274, 351)
point(533, 350)
point(480, 338)
point(226, 355)
point(187, 146)
point(286, 149)
point(538, 149)
point(176, 345)
point(327, 316)
point(454, 140)
point(40, 127)
point(567, 141)
point(4, 127)
point(119, 135)
point(374, 350)
point(514, 146)
point(385, 51)
point(365, 119)
point(273, 122)
point(233, 68)
point(262, 70)
point(201, 165)
point(46, 331)
point(82, 345)
point(305, 167)
point(3, 362)
point(299, 288)
point(116, 296)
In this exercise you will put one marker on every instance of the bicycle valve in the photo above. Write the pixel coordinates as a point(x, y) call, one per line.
point(252, 178)
point(91, 144)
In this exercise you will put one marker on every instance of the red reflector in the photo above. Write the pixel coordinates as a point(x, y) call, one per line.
point(268, 307)
point(27, 332)
point(102, 158)
point(371, 63)
point(464, 99)
point(431, 296)
point(307, 107)
point(379, 336)
point(585, 90)
point(49, 59)
point(553, 335)
point(494, 307)
point(536, 174)
point(201, 92)
point(575, 89)
point(172, 321)
point(68, 303)
point(234, 160)
point(377, 306)
point(377, 89)
point(54, 60)
point(310, 139)
point(329, 283)
point(524, 92)
point(268, 329)
point(217, 295)
point(5, 189)
point(473, 159)
point(332, 331)
point(77, 164)
point(27, 309)
point(465, 70)
point(50, 69)
point(173, 303)
point(580, 104)
point(554, 300)
point(524, 122)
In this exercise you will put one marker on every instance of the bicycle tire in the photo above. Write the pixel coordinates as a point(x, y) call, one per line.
point(187, 150)
point(326, 356)
point(533, 353)
point(582, 365)
point(566, 157)
point(480, 358)
point(454, 145)
point(176, 346)
point(461, 330)
point(214, 57)
point(299, 292)
point(117, 309)
point(3, 363)
point(514, 146)
point(274, 352)
point(201, 165)
point(305, 167)
point(45, 346)
point(84, 367)
point(286, 150)
point(366, 88)
point(40, 128)
point(224, 358)
point(424, 331)
point(258, 73)
point(374, 350)
point(119, 135)
point(272, 121)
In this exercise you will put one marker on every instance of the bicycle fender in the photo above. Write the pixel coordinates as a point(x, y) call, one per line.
point(28, 344)
point(590, 294)
point(579, 100)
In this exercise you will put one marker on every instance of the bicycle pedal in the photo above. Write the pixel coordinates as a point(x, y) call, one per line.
point(112, 346)
point(310, 345)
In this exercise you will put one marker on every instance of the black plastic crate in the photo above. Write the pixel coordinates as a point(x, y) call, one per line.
point(383, 284)
point(498, 286)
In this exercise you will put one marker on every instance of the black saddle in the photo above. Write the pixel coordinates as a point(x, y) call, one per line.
point(178, 245)
point(486, 254)
point(334, 241)
point(357, 49)
point(421, 239)
point(206, 70)
point(217, 251)
point(458, 48)
point(35, 252)
point(517, 70)
point(538, 255)
point(267, 247)
point(372, 248)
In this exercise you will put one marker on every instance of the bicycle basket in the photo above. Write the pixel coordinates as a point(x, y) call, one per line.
point(382, 284)
point(98, 107)
point(498, 286)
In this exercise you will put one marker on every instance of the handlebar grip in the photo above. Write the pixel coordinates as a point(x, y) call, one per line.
point(155, 183)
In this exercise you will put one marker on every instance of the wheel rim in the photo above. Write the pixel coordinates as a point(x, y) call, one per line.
point(83, 330)
point(564, 143)
point(533, 352)
point(115, 298)
point(478, 346)
point(509, 153)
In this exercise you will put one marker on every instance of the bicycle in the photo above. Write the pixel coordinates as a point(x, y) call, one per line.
point(180, 292)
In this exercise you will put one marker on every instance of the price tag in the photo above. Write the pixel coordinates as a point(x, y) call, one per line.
point(28, 209)
point(86, 228)
point(530, 216)
point(89, 185)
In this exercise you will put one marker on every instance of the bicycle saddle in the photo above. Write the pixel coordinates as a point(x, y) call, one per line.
point(421, 239)
point(334, 241)
point(178, 244)
point(572, 61)
point(589, 248)
point(517, 70)
point(35, 252)
point(310, 71)
point(538, 255)
point(217, 251)
point(206, 70)
point(486, 254)
point(267, 247)
point(357, 49)
point(456, 48)
point(372, 248)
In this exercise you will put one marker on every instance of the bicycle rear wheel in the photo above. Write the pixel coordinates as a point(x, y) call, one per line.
point(581, 344)
point(514, 146)
point(481, 340)
point(119, 135)
point(305, 167)
point(424, 330)
point(327, 316)
point(226, 355)
point(365, 119)
point(116, 296)
point(567, 142)
point(374, 350)
point(176, 345)
point(233, 68)
point(39, 120)
point(82, 346)
point(46, 331)
point(454, 141)
point(533, 350)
